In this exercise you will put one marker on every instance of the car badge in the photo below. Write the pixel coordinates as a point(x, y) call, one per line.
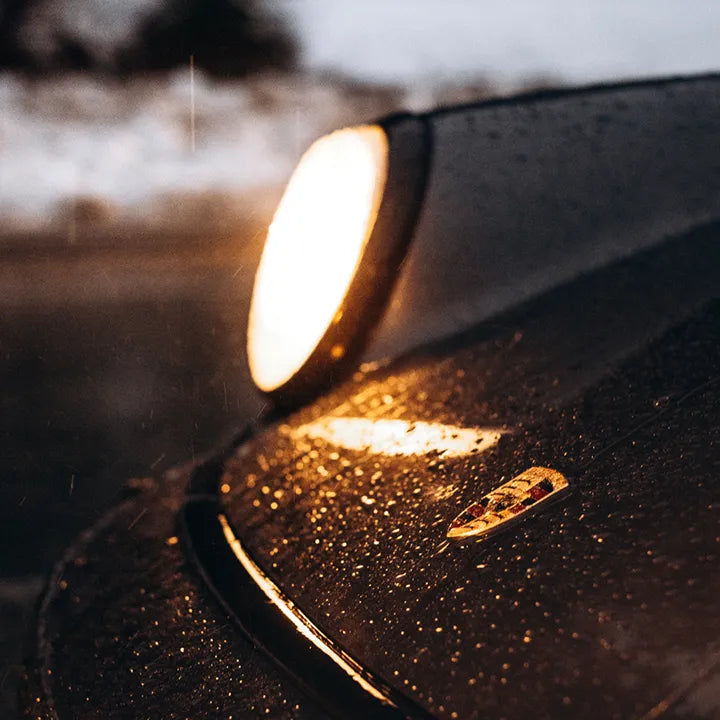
point(510, 502)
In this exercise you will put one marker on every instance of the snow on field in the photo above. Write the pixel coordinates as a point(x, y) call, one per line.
point(128, 142)
point(116, 145)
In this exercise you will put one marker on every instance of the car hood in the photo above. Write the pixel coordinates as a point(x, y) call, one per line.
point(602, 604)
point(606, 598)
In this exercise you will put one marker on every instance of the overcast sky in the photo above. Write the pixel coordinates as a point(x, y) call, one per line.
point(576, 40)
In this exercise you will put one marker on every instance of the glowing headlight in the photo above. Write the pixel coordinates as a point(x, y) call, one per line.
point(421, 227)
point(315, 242)
point(332, 253)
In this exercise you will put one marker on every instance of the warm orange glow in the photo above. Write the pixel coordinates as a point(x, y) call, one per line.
point(400, 437)
point(313, 248)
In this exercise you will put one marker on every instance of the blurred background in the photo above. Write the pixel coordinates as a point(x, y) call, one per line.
point(143, 145)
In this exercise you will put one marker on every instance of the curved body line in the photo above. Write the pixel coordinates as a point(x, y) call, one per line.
point(301, 623)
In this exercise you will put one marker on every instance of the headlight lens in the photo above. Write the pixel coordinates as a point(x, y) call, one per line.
point(313, 248)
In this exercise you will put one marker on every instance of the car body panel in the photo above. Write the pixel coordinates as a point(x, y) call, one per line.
point(127, 630)
point(606, 601)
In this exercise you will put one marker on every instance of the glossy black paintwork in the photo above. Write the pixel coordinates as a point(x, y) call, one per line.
point(526, 192)
point(603, 605)
point(127, 629)
point(266, 625)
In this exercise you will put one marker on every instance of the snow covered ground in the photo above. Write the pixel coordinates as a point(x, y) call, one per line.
point(123, 147)
point(127, 144)
point(77, 146)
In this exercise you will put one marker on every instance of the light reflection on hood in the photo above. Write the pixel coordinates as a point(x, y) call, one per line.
point(399, 437)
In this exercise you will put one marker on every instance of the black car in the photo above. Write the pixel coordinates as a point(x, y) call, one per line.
point(486, 482)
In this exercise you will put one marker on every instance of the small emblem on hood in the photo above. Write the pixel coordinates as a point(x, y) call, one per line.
point(517, 498)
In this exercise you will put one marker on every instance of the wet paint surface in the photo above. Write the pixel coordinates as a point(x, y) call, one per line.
point(603, 605)
point(605, 600)
point(127, 630)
